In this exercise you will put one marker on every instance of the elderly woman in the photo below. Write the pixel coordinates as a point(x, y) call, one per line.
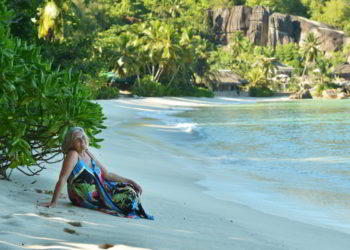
point(90, 184)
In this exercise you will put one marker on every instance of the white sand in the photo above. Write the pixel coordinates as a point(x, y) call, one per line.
point(185, 217)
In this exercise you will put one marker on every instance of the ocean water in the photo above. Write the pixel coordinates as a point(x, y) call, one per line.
point(291, 159)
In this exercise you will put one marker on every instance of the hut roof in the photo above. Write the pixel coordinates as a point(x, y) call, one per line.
point(283, 68)
point(342, 69)
point(227, 77)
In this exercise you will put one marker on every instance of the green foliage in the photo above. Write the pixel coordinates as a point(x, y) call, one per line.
point(22, 25)
point(293, 84)
point(149, 88)
point(335, 13)
point(38, 105)
point(289, 54)
point(168, 40)
point(283, 6)
point(260, 92)
point(200, 92)
point(309, 50)
point(164, 51)
point(239, 58)
point(108, 93)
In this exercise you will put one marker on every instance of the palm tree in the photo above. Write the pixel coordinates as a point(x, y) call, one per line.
point(236, 43)
point(160, 44)
point(257, 77)
point(267, 65)
point(324, 70)
point(310, 50)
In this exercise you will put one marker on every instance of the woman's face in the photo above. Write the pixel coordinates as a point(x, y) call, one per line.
point(79, 141)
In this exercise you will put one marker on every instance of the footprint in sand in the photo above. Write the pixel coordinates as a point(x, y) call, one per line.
point(48, 192)
point(44, 214)
point(105, 246)
point(70, 231)
point(74, 223)
point(6, 217)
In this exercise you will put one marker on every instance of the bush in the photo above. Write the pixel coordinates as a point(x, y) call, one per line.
point(260, 92)
point(294, 84)
point(149, 88)
point(38, 105)
point(108, 93)
point(192, 92)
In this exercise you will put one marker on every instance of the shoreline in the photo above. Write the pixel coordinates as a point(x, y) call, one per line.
point(185, 217)
point(297, 212)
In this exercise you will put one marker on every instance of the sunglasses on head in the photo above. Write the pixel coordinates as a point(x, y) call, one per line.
point(82, 137)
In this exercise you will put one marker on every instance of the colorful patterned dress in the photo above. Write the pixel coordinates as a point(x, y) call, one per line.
point(87, 188)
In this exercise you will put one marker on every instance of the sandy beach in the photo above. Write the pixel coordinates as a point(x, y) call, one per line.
point(186, 217)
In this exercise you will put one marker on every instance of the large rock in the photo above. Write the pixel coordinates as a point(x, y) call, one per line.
point(253, 22)
point(302, 94)
point(331, 39)
point(259, 29)
point(229, 20)
point(265, 29)
point(334, 93)
point(329, 94)
point(280, 29)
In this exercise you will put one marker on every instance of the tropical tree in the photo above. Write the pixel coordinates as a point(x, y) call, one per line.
point(159, 42)
point(237, 44)
point(289, 54)
point(267, 64)
point(336, 13)
point(323, 70)
point(37, 105)
point(309, 50)
point(256, 77)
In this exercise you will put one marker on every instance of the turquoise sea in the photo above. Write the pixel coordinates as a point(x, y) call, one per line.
point(291, 159)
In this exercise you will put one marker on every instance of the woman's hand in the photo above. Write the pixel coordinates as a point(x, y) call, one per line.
point(47, 204)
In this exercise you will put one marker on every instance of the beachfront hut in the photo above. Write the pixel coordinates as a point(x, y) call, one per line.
point(226, 80)
point(282, 69)
point(342, 71)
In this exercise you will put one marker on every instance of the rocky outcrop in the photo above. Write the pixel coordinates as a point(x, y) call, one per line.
point(259, 29)
point(335, 93)
point(280, 29)
point(263, 28)
point(331, 39)
point(329, 94)
point(302, 94)
point(253, 22)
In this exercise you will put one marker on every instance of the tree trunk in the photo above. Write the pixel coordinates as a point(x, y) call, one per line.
point(138, 80)
point(175, 73)
point(159, 72)
point(153, 76)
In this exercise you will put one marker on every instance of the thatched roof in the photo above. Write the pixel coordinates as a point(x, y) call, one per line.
point(342, 69)
point(227, 77)
point(281, 68)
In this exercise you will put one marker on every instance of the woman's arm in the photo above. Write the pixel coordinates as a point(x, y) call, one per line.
point(68, 164)
point(114, 177)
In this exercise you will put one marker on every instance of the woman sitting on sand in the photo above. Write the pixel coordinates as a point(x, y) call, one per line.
point(90, 185)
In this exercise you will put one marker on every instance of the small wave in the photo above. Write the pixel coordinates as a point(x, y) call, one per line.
point(186, 127)
point(168, 118)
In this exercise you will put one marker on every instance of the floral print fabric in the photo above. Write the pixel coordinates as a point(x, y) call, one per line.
point(87, 188)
